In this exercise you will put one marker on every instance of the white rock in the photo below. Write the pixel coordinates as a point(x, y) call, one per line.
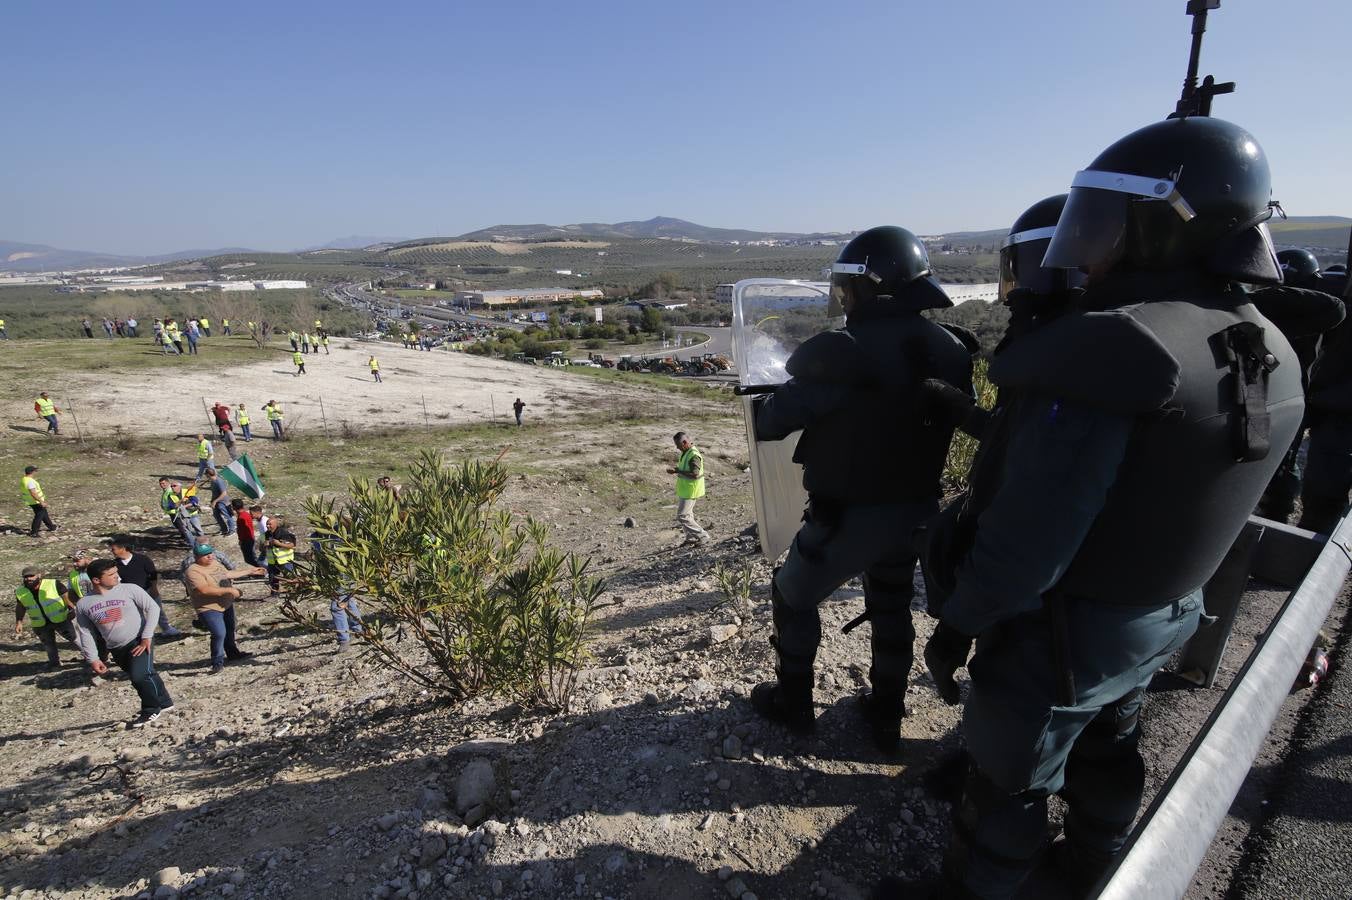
point(720, 633)
point(475, 785)
point(168, 875)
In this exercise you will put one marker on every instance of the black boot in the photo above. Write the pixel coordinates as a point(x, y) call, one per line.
point(787, 701)
point(884, 711)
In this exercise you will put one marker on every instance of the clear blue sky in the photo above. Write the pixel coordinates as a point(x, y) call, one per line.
point(156, 126)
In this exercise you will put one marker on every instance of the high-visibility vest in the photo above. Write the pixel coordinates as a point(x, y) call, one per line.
point(292, 336)
point(274, 412)
point(375, 365)
point(243, 418)
point(690, 488)
point(297, 358)
point(45, 407)
point(169, 502)
point(318, 325)
point(204, 323)
point(44, 607)
point(279, 557)
point(324, 340)
point(74, 582)
point(204, 449)
point(166, 337)
point(31, 488)
point(2, 323)
point(225, 323)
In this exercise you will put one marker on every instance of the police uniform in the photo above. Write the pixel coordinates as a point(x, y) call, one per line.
point(871, 467)
point(1328, 464)
point(1144, 427)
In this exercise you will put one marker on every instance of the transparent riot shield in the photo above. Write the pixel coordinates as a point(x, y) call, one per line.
point(770, 318)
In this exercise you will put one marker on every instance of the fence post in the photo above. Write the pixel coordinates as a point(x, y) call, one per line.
point(426, 424)
point(323, 416)
point(76, 419)
point(211, 420)
point(492, 407)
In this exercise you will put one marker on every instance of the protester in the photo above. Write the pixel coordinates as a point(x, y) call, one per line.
point(46, 604)
point(244, 531)
point(206, 455)
point(213, 596)
point(48, 410)
point(124, 617)
point(281, 544)
point(242, 416)
point(139, 569)
point(517, 408)
point(37, 501)
point(220, 503)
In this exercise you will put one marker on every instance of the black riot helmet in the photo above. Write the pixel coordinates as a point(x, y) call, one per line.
point(1182, 193)
point(1300, 268)
point(1022, 252)
point(1335, 269)
point(882, 270)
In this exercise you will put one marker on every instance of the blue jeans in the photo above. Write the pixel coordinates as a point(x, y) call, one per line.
point(248, 435)
point(144, 678)
point(222, 628)
point(275, 573)
point(224, 516)
point(192, 345)
point(345, 610)
point(204, 464)
point(51, 424)
point(277, 429)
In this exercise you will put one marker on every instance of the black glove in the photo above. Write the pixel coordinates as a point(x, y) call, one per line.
point(949, 406)
point(945, 652)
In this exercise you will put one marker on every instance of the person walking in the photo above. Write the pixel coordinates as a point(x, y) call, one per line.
point(689, 472)
point(274, 414)
point(36, 500)
point(206, 327)
point(181, 512)
point(193, 332)
point(139, 569)
point(175, 335)
point(294, 338)
point(346, 613)
point(45, 603)
point(299, 360)
point(213, 596)
point(88, 329)
point(206, 455)
point(242, 417)
point(517, 408)
point(225, 327)
point(48, 410)
point(324, 341)
point(166, 339)
point(220, 503)
point(375, 368)
point(124, 616)
point(131, 327)
point(281, 555)
point(245, 532)
point(4, 335)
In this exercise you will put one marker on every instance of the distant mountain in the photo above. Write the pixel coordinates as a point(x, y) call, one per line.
point(657, 227)
point(354, 242)
point(16, 257)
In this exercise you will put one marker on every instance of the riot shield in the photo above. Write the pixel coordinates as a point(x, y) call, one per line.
point(770, 318)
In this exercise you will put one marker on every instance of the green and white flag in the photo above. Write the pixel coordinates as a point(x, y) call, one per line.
point(243, 477)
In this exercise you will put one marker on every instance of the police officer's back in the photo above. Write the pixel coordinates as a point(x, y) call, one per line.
point(1147, 425)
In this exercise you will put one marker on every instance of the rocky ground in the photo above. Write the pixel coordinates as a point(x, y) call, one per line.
point(304, 772)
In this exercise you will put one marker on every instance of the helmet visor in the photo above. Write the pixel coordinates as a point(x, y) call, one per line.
point(1021, 262)
point(1093, 226)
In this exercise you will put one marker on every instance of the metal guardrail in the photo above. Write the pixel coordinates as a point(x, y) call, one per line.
point(1173, 836)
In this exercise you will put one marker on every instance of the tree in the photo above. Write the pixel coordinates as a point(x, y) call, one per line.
point(652, 320)
point(489, 605)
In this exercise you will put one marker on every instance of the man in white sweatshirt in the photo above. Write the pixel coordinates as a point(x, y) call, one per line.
point(125, 616)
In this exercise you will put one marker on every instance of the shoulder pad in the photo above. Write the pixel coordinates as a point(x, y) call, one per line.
point(1298, 312)
point(832, 356)
point(1105, 360)
point(966, 335)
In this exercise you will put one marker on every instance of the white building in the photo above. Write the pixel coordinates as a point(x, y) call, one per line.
point(961, 293)
point(525, 296)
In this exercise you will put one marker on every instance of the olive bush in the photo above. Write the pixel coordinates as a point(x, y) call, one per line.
point(489, 605)
point(963, 449)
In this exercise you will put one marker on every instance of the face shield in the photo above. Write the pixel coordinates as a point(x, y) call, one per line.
point(1092, 229)
point(844, 284)
point(1021, 256)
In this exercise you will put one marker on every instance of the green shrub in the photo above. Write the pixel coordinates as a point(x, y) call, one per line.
point(963, 449)
point(489, 605)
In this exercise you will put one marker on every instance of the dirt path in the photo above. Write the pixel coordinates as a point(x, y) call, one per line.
point(457, 389)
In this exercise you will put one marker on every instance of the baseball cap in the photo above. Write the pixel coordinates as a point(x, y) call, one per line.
point(29, 571)
point(203, 550)
point(82, 554)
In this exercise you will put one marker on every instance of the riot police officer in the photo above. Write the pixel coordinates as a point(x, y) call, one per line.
point(1303, 310)
point(1131, 466)
point(871, 467)
point(1328, 465)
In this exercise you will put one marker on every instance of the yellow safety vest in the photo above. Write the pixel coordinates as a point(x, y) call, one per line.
point(225, 323)
point(279, 557)
point(46, 407)
point(166, 337)
point(204, 323)
point(297, 358)
point(47, 606)
point(317, 325)
point(274, 412)
point(690, 488)
point(204, 449)
point(375, 365)
point(243, 418)
point(324, 340)
point(31, 484)
point(74, 582)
